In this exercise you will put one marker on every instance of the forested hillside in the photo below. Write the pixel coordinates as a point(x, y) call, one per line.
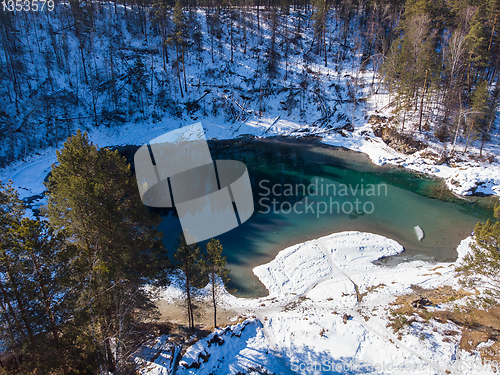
point(90, 63)
point(73, 284)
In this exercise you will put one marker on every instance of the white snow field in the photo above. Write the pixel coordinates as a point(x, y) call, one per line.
point(327, 312)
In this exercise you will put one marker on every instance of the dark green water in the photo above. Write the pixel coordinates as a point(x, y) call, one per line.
point(401, 201)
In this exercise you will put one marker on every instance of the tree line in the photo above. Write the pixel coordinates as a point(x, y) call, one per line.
point(75, 283)
point(442, 67)
point(93, 63)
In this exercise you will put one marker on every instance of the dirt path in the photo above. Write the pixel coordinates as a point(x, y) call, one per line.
point(204, 319)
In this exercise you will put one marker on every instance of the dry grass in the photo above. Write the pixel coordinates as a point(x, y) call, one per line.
point(478, 326)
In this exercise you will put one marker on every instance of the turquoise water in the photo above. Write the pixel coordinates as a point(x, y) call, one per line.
point(391, 202)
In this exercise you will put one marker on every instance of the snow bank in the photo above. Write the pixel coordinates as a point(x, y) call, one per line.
point(340, 314)
point(224, 343)
point(328, 312)
point(294, 269)
point(157, 357)
point(464, 179)
point(300, 267)
point(475, 180)
point(463, 248)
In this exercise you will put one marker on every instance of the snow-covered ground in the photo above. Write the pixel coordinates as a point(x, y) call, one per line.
point(313, 321)
point(463, 179)
point(328, 304)
point(327, 312)
point(335, 80)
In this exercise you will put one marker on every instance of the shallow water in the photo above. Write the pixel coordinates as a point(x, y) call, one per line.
point(391, 202)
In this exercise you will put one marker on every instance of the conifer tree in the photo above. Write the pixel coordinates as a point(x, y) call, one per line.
point(179, 39)
point(272, 53)
point(285, 14)
point(188, 259)
point(38, 292)
point(319, 17)
point(16, 318)
point(476, 44)
point(161, 18)
point(478, 112)
point(93, 197)
point(43, 263)
point(214, 266)
point(481, 266)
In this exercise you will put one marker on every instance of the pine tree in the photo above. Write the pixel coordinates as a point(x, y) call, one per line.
point(285, 14)
point(93, 197)
point(214, 266)
point(12, 50)
point(37, 292)
point(319, 17)
point(161, 18)
point(476, 44)
point(16, 318)
point(188, 259)
point(80, 29)
point(489, 119)
point(273, 56)
point(477, 118)
point(214, 28)
point(481, 266)
point(43, 262)
point(179, 39)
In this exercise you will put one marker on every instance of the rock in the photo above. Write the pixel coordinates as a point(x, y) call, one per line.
point(215, 339)
point(346, 317)
point(421, 303)
point(399, 142)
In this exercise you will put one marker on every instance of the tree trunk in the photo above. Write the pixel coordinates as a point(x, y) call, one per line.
point(9, 323)
point(422, 103)
point(12, 311)
point(189, 301)
point(404, 117)
point(493, 31)
point(231, 33)
point(244, 30)
point(324, 34)
point(470, 132)
point(184, 69)
point(214, 300)
point(258, 16)
point(48, 311)
point(179, 69)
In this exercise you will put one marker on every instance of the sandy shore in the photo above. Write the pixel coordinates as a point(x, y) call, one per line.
point(175, 313)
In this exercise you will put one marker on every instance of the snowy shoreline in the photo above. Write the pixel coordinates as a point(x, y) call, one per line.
point(464, 179)
point(314, 312)
point(329, 308)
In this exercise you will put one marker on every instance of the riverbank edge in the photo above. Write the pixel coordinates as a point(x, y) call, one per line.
point(328, 302)
point(463, 179)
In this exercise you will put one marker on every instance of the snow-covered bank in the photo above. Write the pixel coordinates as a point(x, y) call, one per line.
point(328, 312)
point(463, 179)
